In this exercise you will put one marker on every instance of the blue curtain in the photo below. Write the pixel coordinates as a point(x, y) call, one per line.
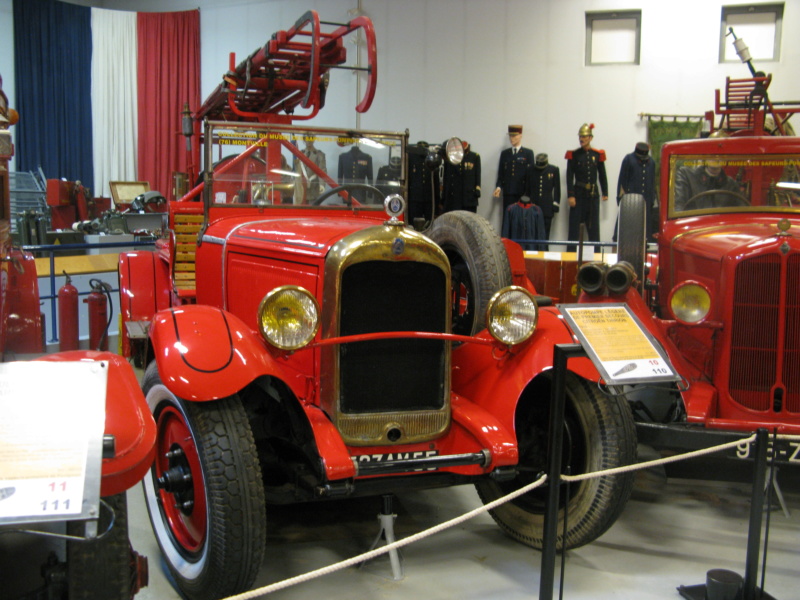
point(53, 68)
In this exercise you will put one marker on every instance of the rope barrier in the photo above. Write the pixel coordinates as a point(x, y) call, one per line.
point(660, 461)
point(394, 545)
point(280, 585)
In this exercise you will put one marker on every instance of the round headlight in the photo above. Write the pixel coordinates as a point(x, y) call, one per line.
point(690, 302)
point(511, 315)
point(288, 317)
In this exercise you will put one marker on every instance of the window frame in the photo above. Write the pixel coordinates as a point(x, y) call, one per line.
point(743, 9)
point(613, 15)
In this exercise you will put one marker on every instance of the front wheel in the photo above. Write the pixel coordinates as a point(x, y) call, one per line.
point(204, 492)
point(599, 434)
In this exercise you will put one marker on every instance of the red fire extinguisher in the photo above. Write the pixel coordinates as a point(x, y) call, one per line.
point(98, 314)
point(68, 316)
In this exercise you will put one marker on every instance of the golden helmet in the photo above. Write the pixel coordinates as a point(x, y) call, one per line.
point(586, 129)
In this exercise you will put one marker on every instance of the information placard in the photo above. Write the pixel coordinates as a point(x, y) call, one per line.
point(52, 418)
point(620, 347)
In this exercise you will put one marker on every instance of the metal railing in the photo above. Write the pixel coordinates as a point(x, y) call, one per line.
point(52, 250)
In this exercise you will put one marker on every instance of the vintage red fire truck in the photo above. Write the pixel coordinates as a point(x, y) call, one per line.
point(720, 289)
point(303, 343)
point(100, 566)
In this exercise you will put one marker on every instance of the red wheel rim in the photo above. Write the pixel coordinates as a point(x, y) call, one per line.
point(188, 526)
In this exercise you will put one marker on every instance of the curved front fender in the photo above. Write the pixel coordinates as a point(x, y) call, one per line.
point(495, 379)
point(128, 419)
point(204, 353)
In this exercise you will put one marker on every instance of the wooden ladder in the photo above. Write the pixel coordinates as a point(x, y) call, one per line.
point(186, 228)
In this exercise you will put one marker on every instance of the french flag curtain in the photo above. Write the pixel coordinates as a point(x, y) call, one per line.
point(100, 92)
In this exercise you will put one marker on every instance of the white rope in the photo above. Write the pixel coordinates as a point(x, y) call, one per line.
point(280, 585)
point(660, 461)
point(383, 550)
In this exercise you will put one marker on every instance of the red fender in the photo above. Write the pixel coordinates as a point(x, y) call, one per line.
point(128, 419)
point(495, 379)
point(205, 353)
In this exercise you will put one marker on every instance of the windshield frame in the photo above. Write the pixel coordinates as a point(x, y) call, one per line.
point(265, 147)
point(740, 175)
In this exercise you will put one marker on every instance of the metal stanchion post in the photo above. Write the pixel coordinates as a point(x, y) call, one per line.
point(756, 515)
point(561, 353)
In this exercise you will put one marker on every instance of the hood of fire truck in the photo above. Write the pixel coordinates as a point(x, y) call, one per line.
point(306, 235)
point(714, 239)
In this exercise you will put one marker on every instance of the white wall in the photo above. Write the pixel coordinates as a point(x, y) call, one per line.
point(471, 67)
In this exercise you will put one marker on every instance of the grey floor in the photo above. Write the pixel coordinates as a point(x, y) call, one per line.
point(672, 532)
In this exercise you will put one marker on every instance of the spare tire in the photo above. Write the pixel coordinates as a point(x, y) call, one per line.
point(632, 243)
point(478, 262)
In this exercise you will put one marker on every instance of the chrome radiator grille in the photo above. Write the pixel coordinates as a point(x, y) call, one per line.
point(765, 334)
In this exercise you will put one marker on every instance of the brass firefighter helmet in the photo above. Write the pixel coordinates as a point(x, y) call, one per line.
point(586, 129)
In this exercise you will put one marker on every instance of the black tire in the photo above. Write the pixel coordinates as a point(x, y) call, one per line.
point(599, 434)
point(478, 262)
point(217, 551)
point(105, 568)
point(633, 234)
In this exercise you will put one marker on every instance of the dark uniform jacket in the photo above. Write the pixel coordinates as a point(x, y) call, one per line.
point(423, 184)
point(546, 189)
point(637, 176)
point(355, 166)
point(583, 169)
point(513, 171)
point(462, 183)
point(388, 180)
point(524, 221)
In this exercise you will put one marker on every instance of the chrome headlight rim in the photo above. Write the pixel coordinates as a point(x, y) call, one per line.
point(496, 314)
point(689, 315)
point(312, 314)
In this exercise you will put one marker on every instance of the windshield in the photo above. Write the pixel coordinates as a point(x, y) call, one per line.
point(734, 183)
point(273, 165)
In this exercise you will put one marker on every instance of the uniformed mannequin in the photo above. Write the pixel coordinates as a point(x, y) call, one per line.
point(314, 187)
point(462, 182)
point(388, 180)
point(546, 189)
point(355, 166)
point(637, 175)
point(585, 166)
point(423, 184)
point(513, 171)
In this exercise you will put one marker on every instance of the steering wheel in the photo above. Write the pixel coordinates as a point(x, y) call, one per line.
point(349, 188)
point(739, 199)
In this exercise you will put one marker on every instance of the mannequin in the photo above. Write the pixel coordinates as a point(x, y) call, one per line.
point(315, 185)
point(388, 180)
point(513, 172)
point(546, 189)
point(585, 166)
point(355, 166)
point(423, 184)
point(637, 175)
point(462, 182)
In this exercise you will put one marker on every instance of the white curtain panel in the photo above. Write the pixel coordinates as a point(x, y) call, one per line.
point(114, 97)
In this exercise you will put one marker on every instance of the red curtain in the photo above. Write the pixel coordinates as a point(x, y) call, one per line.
point(168, 77)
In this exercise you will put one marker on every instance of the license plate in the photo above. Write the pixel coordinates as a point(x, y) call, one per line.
point(785, 451)
point(394, 456)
